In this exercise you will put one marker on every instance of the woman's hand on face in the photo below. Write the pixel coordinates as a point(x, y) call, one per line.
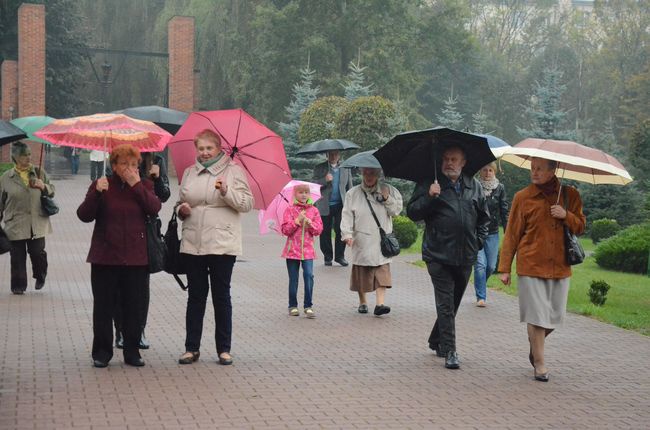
point(349, 242)
point(102, 184)
point(154, 172)
point(184, 210)
point(131, 176)
point(505, 278)
point(558, 212)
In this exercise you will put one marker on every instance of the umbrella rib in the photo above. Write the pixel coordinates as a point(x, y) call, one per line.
point(256, 141)
point(214, 126)
point(241, 154)
point(250, 175)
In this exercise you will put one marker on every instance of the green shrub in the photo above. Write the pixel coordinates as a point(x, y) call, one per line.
point(598, 292)
point(367, 121)
point(405, 230)
point(5, 166)
point(317, 121)
point(603, 228)
point(627, 251)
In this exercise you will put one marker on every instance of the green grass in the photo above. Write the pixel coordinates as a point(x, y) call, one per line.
point(5, 166)
point(628, 301)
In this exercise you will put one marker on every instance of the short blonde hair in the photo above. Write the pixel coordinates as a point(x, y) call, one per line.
point(209, 135)
point(300, 187)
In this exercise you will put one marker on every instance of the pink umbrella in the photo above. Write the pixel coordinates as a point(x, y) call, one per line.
point(249, 143)
point(271, 218)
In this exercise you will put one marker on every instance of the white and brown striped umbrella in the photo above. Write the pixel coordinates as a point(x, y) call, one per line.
point(577, 162)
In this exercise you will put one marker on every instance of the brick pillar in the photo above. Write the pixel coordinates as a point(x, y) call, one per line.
point(180, 40)
point(9, 96)
point(31, 65)
point(197, 93)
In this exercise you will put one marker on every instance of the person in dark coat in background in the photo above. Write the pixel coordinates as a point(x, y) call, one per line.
point(118, 256)
point(334, 182)
point(457, 219)
point(151, 167)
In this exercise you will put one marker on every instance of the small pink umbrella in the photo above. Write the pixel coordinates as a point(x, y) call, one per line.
point(257, 149)
point(271, 218)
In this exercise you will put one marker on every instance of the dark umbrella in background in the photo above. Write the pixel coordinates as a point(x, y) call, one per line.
point(411, 155)
point(10, 133)
point(361, 160)
point(325, 145)
point(169, 120)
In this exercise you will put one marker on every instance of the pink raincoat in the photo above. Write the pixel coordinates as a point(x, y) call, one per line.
point(300, 238)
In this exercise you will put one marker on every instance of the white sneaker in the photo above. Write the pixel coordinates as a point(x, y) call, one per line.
point(309, 313)
point(294, 312)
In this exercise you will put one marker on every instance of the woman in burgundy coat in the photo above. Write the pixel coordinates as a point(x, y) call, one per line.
point(118, 251)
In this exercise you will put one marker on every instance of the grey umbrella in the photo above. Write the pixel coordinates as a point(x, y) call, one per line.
point(325, 145)
point(10, 133)
point(168, 119)
point(362, 159)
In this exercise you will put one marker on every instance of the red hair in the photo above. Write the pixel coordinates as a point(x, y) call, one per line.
point(126, 150)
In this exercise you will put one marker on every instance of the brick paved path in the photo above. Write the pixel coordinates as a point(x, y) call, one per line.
point(341, 370)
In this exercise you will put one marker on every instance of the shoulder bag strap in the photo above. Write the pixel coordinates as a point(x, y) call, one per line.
point(373, 212)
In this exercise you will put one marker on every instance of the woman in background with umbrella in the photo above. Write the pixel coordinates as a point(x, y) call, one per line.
point(24, 222)
point(535, 234)
point(359, 231)
point(214, 193)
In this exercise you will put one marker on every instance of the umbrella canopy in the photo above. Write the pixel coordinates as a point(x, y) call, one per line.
point(577, 162)
point(271, 218)
point(411, 155)
point(105, 131)
point(10, 133)
point(362, 159)
point(258, 150)
point(325, 145)
point(170, 120)
point(31, 124)
point(497, 146)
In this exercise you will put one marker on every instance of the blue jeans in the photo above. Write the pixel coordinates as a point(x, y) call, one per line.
point(486, 262)
point(293, 267)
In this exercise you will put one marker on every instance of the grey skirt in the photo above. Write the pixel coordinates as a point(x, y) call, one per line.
point(542, 302)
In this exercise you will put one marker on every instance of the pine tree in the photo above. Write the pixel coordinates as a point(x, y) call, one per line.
point(479, 122)
point(450, 117)
point(354, 86)
point(303, 95)
point(544, 110)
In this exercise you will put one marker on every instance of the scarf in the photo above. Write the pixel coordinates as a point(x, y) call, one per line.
point(207, 164)
point(25, 173)
point(551, 187)
point(489, 186)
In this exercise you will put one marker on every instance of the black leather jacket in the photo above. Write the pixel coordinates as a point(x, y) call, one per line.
point(499, 208)
point(456, 226)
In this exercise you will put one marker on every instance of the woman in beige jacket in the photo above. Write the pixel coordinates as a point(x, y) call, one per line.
point(24, 222)
point(370, 269)
point(213, 194)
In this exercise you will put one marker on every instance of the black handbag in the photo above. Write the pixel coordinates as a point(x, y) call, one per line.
point(48, 205)
point(5, 243)
point(156, 248)
point(572, 248)
point(174, 263)
point(387, 241)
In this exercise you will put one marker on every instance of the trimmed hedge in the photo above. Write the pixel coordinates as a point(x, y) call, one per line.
point(603, 228)
point(367, 121)
point(627, 251)
point(405, 230)
point(317, 121)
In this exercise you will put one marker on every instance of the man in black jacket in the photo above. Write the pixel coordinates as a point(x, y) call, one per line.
point(456, 215)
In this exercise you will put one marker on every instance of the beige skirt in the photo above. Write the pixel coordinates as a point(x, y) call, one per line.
point(542, 302)
point(368, 278)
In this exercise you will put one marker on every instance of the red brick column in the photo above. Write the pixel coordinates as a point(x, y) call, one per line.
point(9, 96)
point(181, 62)
point(31, 65)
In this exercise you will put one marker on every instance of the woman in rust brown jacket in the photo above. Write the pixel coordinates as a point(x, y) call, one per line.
point(536, 234)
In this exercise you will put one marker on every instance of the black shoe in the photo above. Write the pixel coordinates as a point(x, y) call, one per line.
point(381, 310)
point(225, 360)
point(341, 261)
point(18, 292)
point(452, 361)
point(363, 309)
point(328, 262)
point(39, 284)
point(119, 340)
point(144, 343)
point(542, 377)
point(189, 357)
point(134, 361)
point(100, 364)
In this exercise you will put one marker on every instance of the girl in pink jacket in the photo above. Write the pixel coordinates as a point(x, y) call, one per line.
point(300, 223)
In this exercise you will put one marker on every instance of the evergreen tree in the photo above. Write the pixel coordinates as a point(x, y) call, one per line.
point(354, 86)
point(479, 121)
point(303, 95)
point(545, 111)
point(450, 117)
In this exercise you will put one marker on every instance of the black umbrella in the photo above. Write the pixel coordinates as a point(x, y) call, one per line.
point(411, 155)
point(321, 146)
point(10, 133)
point(362, 159)
point(168, 119)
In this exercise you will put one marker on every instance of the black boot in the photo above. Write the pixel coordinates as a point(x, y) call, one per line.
point(144, 343)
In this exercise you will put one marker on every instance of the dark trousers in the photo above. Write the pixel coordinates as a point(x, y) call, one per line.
point(204, 271)
point(143, 310)
point(18, 258)
point(449, 283)
point(116, 286)
point(96, 170)
point(74, 164)
point(333, 220)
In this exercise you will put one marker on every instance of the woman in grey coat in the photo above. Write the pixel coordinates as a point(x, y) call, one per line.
point(24, 222)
